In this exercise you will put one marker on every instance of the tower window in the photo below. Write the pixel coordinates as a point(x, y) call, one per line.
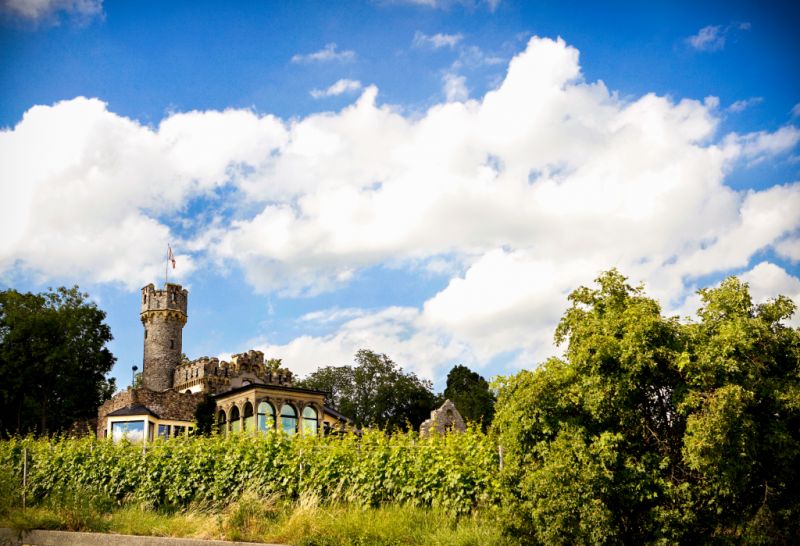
point(171, 343)
point(145, 334)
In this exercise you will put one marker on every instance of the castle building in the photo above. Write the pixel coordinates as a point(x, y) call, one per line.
point(250, 394)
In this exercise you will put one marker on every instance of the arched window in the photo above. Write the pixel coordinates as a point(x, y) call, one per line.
point(236, 424)
point(248, 417)
point(266, 416)
point(288, 419)
point(309, 420)
point(222, 421)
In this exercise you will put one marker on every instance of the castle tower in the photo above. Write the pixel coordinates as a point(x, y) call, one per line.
point(163, 317)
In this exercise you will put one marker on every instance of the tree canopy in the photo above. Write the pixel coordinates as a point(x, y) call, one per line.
point(471, 395)
point(655, 430)
point(53, 360)
point(375, 392)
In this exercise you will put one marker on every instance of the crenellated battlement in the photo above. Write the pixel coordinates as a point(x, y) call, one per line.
point(171, 298)
point(214, 375)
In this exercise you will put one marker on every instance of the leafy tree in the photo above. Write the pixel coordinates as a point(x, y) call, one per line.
point(53, 360)
point(471, 395)
point(204, 415)
point(375, 392)
point(654, 430)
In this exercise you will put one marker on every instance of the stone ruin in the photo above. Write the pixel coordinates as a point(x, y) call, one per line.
point(443, 420)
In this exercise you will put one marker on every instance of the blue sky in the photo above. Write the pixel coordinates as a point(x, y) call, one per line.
point(427, 179)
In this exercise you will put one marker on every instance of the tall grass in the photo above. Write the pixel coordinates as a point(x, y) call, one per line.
point(303, 522)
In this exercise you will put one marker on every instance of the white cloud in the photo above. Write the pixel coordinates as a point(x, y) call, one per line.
point(35, 11)
point(710, 38)
point(517, 196)
point(455, 87)
point(393, 331)
point(796, 110)
point(768, 280)
point(326, 54)
point(742, 105)
point(760, 145)
point(789, 248)
point(713, 37)
point(340, 87)
point(87, 194)
point(437, 41)
point(491, 5)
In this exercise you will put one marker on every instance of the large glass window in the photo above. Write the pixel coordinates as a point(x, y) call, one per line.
point(132, 430)
point(236, 425)
point(266, 416)
point(163, 431)
point(288, 419)
point(309, 420)
point(248, 417)
point(179, 430)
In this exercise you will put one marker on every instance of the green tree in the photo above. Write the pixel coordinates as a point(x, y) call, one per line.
point(654, 430)
point(53, 360)
point(375, 392)
point(204, 415)
point(471, 395)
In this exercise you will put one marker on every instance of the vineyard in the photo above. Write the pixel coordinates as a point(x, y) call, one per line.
point(455, 473)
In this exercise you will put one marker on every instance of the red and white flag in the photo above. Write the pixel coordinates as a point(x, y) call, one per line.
point(171, 257)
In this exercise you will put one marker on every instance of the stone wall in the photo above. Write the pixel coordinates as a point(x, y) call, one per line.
point(163, 315)
point(167, 404)
point(443, 420)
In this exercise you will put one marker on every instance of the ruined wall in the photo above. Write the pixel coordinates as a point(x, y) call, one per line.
point(443, 420)
point(163, 316)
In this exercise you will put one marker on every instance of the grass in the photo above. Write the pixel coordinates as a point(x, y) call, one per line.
point(306, 522)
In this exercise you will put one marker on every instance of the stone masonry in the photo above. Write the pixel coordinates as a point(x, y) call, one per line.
point(167, 404)
point(163, 315)
point(443, 420)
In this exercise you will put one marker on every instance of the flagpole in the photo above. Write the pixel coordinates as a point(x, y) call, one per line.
point(166, 269)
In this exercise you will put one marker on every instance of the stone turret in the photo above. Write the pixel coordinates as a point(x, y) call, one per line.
point(163, 317)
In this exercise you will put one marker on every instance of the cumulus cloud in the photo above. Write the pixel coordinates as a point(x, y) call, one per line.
point(339, 88)
point(437, 41)
point(36, 11)
point(789, 248)
point(455, 87)
point(88, 194)
point(515, 198)
point(767, 280)
point(326, 54)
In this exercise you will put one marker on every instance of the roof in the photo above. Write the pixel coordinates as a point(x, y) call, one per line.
point(243, 388)
point(336, 414)
point(138, 409)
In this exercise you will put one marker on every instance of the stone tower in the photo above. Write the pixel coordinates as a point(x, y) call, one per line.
point(163, 317)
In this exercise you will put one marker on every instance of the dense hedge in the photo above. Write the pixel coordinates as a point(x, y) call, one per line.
point(455, 472)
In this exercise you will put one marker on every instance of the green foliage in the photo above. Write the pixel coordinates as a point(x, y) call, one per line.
point(653, 430)
point(455, 473)
point(53, 360)
point(204, 415)
point(471, 395)
point(375, 392)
